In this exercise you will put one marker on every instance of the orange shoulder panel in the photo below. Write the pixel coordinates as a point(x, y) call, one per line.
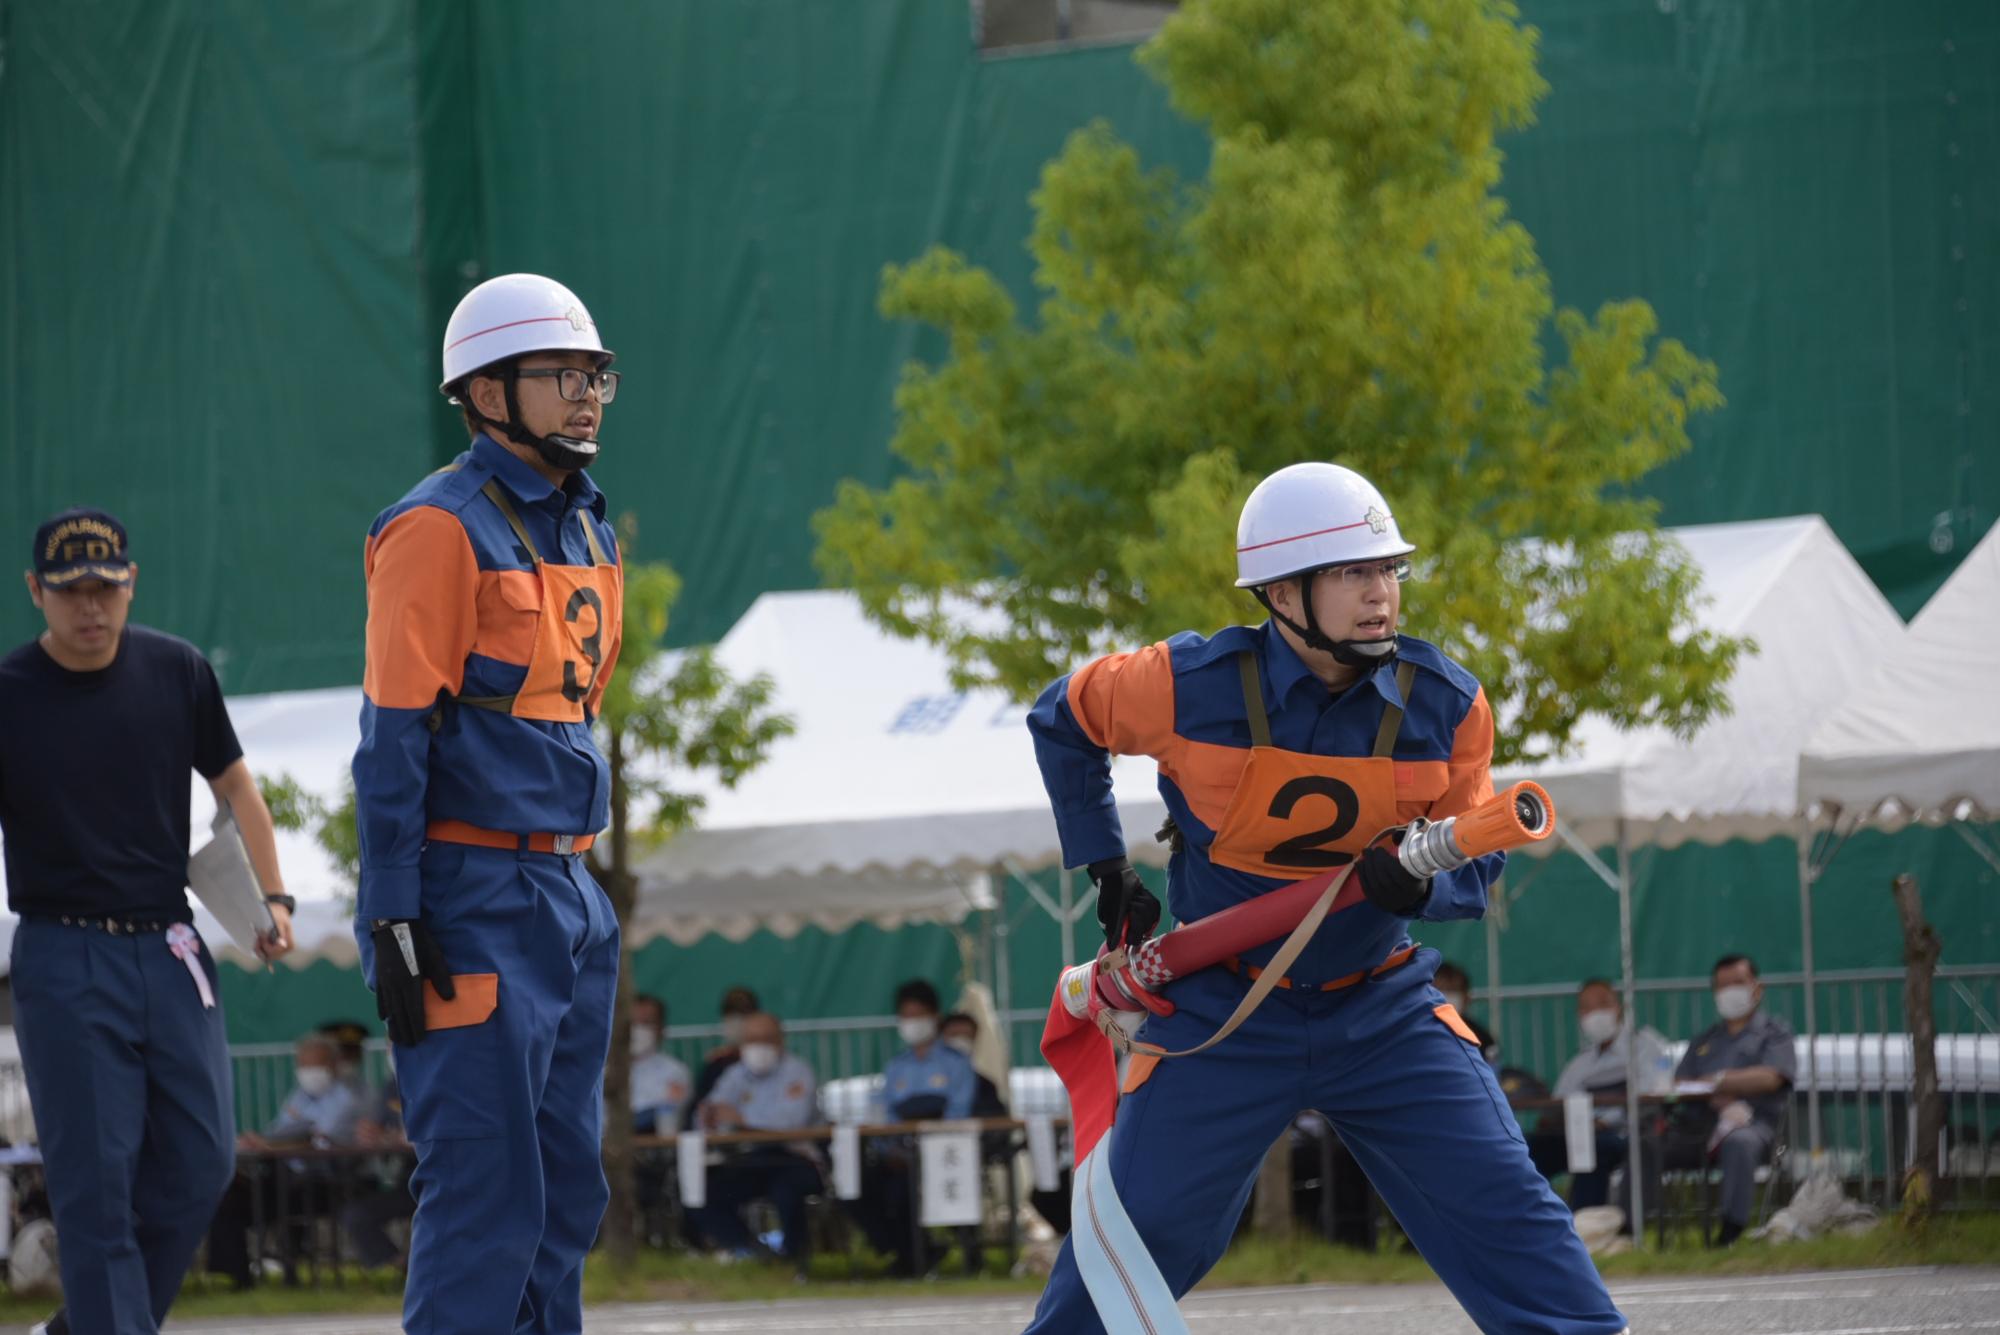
point(1208, 775)
point(1125, 702)
point(423, 590)
point(1470, 767)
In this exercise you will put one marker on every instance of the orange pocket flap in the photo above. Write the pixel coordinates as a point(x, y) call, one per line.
point(1138, 1071)
point(1455, 1022)
point(477, 996)
point(1421, 780)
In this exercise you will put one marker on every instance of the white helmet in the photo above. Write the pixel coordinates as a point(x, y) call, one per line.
point(1310, 516)
point(513, 314)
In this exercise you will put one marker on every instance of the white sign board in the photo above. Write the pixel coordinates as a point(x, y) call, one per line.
point(1580, 1129)
point(847, 1163)
point(691, 1153)
point(949, 1163)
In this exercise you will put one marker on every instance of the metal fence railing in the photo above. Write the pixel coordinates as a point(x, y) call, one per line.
point(1863, 1074)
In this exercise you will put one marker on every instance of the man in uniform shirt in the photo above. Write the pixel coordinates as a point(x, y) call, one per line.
point(959, 1030)
point(322, 1110)
point(1749, 1057)
point(121, 1035)
point(739, 1003)
point(660, 1082)
point(1599, 1067)
point(769, 1089)
point(1287, 749)
point(925, 1081)
point(494, 606)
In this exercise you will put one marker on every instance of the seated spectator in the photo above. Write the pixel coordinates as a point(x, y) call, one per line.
point(1749, 1063)
point(768, 1089)
point(660, 1084)
point(383, 1196)
point(738, 1005)
point(960, 1032)
point(1452, 980)
point(925, 1081)
point(320, 1112)
point(350, 1038)
point(1599, 1067)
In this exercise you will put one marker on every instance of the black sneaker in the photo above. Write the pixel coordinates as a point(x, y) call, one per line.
point(55, 1325)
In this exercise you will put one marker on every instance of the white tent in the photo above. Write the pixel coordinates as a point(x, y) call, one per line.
point(1819, 626)
point(1919, 737)
point(1915, 738)
point(895, 780)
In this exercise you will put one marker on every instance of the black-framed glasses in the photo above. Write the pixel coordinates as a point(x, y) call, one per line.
point(573, 382)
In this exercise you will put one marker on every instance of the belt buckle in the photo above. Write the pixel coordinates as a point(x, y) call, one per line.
point(564, 843)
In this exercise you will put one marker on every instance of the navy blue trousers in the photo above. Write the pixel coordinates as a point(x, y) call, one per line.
point(1416, 1104)
point(506, 1114)
point(129, 1077)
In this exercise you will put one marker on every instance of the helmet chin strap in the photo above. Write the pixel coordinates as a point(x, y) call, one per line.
point(568, 453)
point(1363, 654)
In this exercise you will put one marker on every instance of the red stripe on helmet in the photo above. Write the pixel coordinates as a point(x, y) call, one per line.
point(539, 319)
point(1301, 537)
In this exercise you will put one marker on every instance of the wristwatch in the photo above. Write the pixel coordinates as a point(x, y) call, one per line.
point(285, 902)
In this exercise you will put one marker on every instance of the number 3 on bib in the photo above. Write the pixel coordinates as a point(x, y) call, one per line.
point(591, 645)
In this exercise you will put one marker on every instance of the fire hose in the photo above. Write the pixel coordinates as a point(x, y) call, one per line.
point(1124, 1283)
point(1126, 980)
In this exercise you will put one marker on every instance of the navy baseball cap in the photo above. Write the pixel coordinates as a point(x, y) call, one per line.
point(81, 544)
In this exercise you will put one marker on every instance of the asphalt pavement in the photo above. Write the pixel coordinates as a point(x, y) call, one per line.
point(1910, 1301)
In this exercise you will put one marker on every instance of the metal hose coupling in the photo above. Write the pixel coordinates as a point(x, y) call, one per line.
point(1522, 814)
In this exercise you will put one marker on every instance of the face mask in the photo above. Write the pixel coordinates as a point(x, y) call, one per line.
point(644, 1039)
point(959, 1043)
point(916, 1030)
point(1733, 1003)
point(1457, 1000)
point(1598, 1026)
point(760, 1058)
point(732, 1029)
point(315, 1080)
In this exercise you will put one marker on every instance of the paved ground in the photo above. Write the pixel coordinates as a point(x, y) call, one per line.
point(1864, 1302)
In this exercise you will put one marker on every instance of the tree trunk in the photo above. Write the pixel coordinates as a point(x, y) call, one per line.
point(1920, 957)
point(620, 1234)
point(1273, 1211)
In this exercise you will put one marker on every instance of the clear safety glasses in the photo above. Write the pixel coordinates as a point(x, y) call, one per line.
point(1363, 574)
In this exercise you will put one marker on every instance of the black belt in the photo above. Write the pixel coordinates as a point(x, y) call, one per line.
point(114, 926)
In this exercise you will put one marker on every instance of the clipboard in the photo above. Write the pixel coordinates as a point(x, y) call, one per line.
point(222, 878)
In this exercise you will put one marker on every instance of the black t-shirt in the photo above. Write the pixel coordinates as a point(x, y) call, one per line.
point(94, 779)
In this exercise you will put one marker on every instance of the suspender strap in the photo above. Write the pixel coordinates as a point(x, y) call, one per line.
point(493, 492)
point(1260, 721)
point(1253, 700)
point(1392, 717)
point(597, 557)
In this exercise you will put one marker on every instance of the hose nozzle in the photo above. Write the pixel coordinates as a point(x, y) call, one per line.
point(1522, 814)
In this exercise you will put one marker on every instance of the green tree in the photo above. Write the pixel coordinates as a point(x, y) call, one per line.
point(665, 716)
point(1346, 285)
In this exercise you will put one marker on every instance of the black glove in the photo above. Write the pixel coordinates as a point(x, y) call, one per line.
point(405, 958)
point(1125, 907)
point(1389, 884)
